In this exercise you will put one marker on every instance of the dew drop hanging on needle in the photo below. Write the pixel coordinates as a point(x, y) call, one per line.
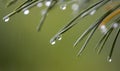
point(63, 6)
point(7, 19)
point(109, 59)
point(59, 37)
point(53, 42)
point(26, 12)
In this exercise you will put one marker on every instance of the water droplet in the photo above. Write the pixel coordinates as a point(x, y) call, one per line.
point(53, 43)
point(59, 37)
point(103, 29)
point(47, 3)
point(75, 7)
point(40, 4)
point(7, 19)
point(63, 6)
point(26, 12)
point(110, 60)
point(93, 12)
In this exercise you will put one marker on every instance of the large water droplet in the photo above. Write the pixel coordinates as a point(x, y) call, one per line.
point(26, 12)
point(53, 43)
point(63, 6)
point(93, 12)
point(6, 19)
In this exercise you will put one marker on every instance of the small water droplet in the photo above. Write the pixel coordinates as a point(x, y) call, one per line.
point(103, 29)
point(110, 60)
point(93, 12)
point(7, 19)
point(63, 6)
point(53, 43)
point(40, 4)
point(26, 12)
point(59, 37)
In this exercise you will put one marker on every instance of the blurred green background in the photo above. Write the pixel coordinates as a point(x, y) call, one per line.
point(22, 48)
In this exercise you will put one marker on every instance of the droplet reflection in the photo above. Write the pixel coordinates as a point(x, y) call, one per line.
point(7, 19)
point(93, 12)
point(63, 6)
point(53, 43)
point(59, 38)
point(110, 60)
point(26, 12)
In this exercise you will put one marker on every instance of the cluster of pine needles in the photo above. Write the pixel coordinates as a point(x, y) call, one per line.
point(100, 23)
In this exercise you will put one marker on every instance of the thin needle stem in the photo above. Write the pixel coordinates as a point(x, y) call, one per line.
point(45, 15)
point(113, 45)
point(102, 45)
point(87, 40)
